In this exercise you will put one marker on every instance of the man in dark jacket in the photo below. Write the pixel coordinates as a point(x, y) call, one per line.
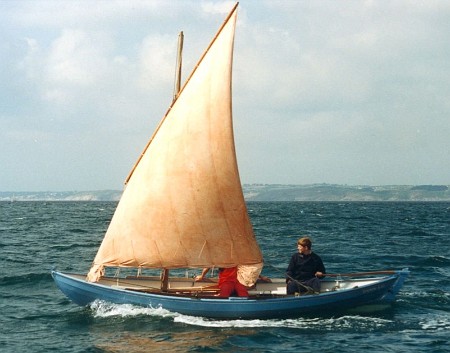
point(305, 269)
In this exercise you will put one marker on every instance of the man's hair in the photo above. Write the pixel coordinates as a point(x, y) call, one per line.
point(305, 241)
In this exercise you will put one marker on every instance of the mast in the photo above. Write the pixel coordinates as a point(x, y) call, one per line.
point(177, 86)
point(176, 92)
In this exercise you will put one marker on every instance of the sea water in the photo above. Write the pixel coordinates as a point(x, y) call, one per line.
point(36, 317)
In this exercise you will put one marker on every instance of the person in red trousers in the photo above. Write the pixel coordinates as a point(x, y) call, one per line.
point(228, 282)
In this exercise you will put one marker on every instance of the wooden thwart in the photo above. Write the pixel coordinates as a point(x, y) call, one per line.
point(186, 290)
point(195, 289)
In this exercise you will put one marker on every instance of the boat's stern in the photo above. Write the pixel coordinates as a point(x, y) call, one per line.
point(390, 296)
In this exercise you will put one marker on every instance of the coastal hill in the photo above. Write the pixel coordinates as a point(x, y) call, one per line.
point(328, 192)
point(272, 192)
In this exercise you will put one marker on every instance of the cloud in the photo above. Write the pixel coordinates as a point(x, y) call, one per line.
point(323, 91)
point(156, 61)
point(81, 13)
point(222, 7)
point(76, 58)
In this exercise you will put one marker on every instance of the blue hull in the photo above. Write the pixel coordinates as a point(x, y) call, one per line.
point(383, 291)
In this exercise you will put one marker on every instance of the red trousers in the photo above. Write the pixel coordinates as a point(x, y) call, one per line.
point(229, 284)
point(227, 289)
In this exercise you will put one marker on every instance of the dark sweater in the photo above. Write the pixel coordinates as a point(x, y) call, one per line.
point(303, 267)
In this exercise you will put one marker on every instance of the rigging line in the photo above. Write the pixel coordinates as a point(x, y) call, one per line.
point(308, 288)
point(275, 268)
point(298, 283)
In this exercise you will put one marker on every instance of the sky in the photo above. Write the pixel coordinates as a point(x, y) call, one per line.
point(339, 92)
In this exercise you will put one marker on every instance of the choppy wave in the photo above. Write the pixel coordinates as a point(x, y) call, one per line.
point(440, 261)
point(31, 279)
point(435, 322)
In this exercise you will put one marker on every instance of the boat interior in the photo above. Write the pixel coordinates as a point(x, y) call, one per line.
point(208, 288)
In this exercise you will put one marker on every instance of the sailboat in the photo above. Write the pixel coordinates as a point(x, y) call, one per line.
point(183, 209)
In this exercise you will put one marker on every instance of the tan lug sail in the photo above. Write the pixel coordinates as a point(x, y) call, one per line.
point(183, 205)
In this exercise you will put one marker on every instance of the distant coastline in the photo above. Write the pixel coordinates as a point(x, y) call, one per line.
point(271, 192)
point(332, 192)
